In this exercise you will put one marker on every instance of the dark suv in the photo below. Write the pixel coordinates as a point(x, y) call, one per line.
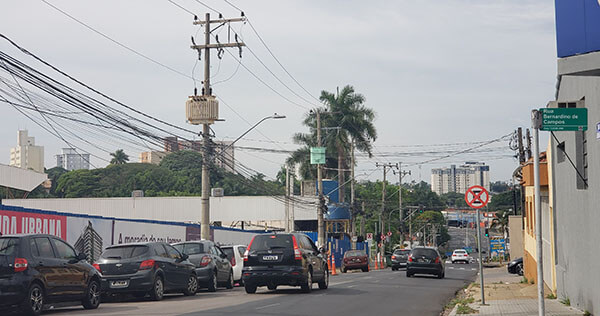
point(146, 268)
point(212, 265)
point(39, 269)
point(425, 260)
point(284, 259)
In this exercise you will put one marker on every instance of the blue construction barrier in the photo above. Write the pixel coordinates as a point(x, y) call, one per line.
point(339, 246)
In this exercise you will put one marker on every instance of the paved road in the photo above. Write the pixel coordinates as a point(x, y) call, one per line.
point(355, 293)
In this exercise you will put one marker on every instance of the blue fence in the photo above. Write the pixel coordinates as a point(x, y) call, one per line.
point(339, 246)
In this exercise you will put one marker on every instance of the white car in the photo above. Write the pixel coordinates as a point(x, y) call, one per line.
point(460, 255)
point(235, 254)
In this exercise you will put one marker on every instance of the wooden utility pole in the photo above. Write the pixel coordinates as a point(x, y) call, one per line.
point(206, 92)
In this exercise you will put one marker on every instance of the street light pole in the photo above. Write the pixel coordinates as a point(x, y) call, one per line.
point(536, 123)
point(274, 116)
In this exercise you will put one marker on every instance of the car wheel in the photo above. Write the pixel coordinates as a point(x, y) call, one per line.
point(344, 270)
point(365, 269)
point(271, 287)
point(408, 274)
point(34, 303)
point(229, 284)
point(213, 284)
point(250, 288)
point(92, 296)
point(520, 269)
point(394, 269)
point(324, 284)
point(307, 287)
point(158, 290)
point(192, 286)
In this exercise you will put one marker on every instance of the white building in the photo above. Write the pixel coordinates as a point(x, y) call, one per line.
point(453, 179)
point(27, 155)
point(70, 159)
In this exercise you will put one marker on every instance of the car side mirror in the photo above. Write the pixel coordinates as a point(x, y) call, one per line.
point(81, 256)
point(184, 257)
point(224, 256)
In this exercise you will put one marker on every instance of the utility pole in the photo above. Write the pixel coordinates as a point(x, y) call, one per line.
point(320, 210)
point(401, 174)
point(287, 199)
point(536, 122)
point(352, 197)
point(385, 166)
point(520, 145)
point(207, 113)
point(362, 221)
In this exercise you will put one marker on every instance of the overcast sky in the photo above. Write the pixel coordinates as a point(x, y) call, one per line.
point(435, 72)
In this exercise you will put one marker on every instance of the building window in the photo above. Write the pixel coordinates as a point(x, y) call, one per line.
point(581, 160)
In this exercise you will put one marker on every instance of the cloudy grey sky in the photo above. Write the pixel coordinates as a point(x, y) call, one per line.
point(434, 71)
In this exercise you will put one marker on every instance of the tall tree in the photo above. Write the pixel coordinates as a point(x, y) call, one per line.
point(119, 157)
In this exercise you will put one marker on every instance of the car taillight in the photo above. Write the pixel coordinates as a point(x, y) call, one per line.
point(97, 267)
point(205, 261)
point(20, 264)
point(147, 265)
point(233, 260)
point(248, 249)
point(393, 257)
point(437, 260)
point(297, 254)
point(410, 258)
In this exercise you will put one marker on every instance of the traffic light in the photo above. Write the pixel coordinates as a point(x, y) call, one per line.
point(487, 232)
point(421, 208)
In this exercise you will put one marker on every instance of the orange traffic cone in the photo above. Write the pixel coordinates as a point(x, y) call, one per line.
point(333, 265)
point(376, 268)
point(329, 263)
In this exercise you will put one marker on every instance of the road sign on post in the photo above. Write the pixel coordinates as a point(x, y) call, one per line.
point(317, 155)
point(478, 197)
point(564, 119)
point(369, 236)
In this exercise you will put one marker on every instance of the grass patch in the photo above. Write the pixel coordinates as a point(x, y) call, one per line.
point(459, 301)
point(587, 313)
point(565, 301)
point(475, 284)
point(465, 309)
point(551, 296)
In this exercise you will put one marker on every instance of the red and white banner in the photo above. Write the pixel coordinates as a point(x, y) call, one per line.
point(12, 222)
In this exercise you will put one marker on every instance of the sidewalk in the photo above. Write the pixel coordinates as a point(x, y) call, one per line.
point(506, 295)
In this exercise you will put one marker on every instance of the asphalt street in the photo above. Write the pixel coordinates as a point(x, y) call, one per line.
point(356, 293)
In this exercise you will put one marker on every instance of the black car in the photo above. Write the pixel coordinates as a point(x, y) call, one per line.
point(399, 258)
point(515, 266)
point(425, 260)
point(212, 266)
point(146, 268)
point(284, 259)
point(36, 270)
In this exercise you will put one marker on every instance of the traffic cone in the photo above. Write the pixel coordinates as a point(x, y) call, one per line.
point(333, 265)
point(376, 268)
point(329, 263)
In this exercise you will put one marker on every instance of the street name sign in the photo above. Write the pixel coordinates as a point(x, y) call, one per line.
point(564, 119)
point(317, 155)
point(477, 196)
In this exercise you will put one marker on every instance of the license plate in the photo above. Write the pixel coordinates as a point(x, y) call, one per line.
point(119, 284)
point(356, 260)
point(270, 258)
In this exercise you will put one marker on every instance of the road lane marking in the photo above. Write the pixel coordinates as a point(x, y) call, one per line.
point(267, 306)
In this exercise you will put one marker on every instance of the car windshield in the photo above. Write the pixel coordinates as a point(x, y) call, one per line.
point(424, 252)
point(402, 252)
point(266, 242)
point(354, 253)
point(8, 245)
point(190, 248)
point(124, 252)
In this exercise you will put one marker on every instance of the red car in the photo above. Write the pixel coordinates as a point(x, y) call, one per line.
point(355, 259)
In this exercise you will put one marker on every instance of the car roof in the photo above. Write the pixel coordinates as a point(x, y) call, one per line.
point(28, 235)
point(460, 249)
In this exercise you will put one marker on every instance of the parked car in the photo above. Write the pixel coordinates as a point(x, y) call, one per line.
point(515, 266)
point(284, 259)
point(425, 260)
point(153, 268)
point(355, 259)
point(235, 254)
point(38, 269)
point(460, 255)
point(212, 266)
point(399, 258)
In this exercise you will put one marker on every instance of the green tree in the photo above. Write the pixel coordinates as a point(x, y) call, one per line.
point(119, 157)
point(500, 222)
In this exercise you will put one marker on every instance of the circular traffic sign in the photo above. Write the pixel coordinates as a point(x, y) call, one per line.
point(477, 196)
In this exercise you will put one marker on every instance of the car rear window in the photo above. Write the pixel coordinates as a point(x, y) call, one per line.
point(459, 251)
point(428, 253)
point(401, 252)
point(354, 253)
point(266, 242)
point(124, 252)
point(8, 245)
point(190, 248)
point(228, 252)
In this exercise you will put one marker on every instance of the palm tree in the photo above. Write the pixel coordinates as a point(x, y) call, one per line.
point(354, 122)
point(119, 157)
point(500, 222)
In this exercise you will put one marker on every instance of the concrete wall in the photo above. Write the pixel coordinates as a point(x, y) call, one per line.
point(576, 210)
point(515, 228)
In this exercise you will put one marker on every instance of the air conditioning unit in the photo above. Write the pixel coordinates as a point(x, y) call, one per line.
point(217, 192)
point(202, 109)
